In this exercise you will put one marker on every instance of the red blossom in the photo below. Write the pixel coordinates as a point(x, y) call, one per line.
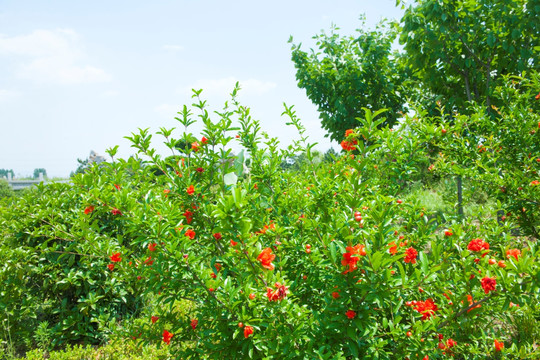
point(350, 314)
point(115, 257)
point(194, 323)
point(190, 234)
point(410, 255)
point(189, 216)
point(448, 232)
point(152, 246)
point(266, 257)
point(349, 132)
point(349, 145)
point(89, 209)
point(190, 190)
point(199, 170)
point(248, 330)
point(499, 345)
point(195, 146)
point(217, 236)
point(154, 319)
point(393, 248)
point(115, 211)
point(335, 295)
point(204, 140)
point(111, 267)
point(426, 308)
point(117, 186)
point(450, 343)
point(233, 243)
point(350, 261)
point(357, 250)
point(278, 294)
point(477, 245)
point(167, 336)
point(515, 253)
point(149, 261)
point(488, 284)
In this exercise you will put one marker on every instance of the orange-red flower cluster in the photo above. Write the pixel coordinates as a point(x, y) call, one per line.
point(350, 314)
point(349, 145)
point(350, 260)
point(266, 257)
point(478, 245)
point(248, 330)
point(410, 255)
point(278, 294)
point(167, 336)
point(488, 284)
point(426, 308)
point(515, 253)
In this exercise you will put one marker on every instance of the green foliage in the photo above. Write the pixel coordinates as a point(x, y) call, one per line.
point(5, 190)
point(460, 50)
point(347, 74)
point(119, 350)
point(330, 261)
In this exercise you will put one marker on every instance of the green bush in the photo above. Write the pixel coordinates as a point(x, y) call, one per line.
point(331, 261)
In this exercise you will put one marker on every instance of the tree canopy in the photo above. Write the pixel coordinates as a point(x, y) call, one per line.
point(454, 53)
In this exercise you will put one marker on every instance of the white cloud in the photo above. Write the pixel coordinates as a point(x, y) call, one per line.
point(52, 56)
point(224, 86)
point(8, 95)
point(173, 47)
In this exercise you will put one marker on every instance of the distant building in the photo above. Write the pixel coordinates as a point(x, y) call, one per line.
point(95, 158)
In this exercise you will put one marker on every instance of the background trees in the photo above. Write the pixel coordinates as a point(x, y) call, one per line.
point(454, 52)
point(349, 73)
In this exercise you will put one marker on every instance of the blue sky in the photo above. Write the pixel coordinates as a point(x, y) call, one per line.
point(78, 76)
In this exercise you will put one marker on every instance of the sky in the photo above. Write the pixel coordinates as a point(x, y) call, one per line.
point(77, 76)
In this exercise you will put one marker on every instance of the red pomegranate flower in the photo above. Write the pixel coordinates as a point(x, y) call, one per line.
point(488, 284)
point(194, 323)
point(190, 234)
point(410, 255)
point(513, 253)
point(111, 267)
point(190, 190)
point(357, 250)
point(189, 216)
point(350, 261)
point(116, 257)
point(348, 132)
point(278, 294)
point(167, 336)
point(393, 248)
point(426, 308)
point(115, 211)
point(217, 236)
point(154, 319)
point(266, 257)
point(89, 209)
point(248, 330)
point(499, 345)
point(478, 245)
point(152, 246)
point(195, 146)
point(350, 314)
point(349, 145)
